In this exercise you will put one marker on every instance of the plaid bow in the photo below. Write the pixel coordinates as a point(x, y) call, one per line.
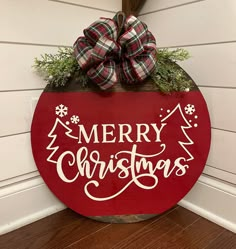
point(110, 53)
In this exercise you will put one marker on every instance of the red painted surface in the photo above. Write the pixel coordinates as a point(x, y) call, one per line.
point(120, 153)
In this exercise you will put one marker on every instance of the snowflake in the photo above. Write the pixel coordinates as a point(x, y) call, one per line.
point(189, 109)
point(61, 110)
point(74, 119)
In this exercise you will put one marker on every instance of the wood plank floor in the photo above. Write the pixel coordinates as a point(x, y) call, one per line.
point(176, 229)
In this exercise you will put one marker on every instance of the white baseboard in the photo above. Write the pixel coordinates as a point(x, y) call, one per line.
point(25, 202)
point(214, 200)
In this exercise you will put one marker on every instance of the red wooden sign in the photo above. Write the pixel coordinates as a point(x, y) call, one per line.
point(123, 152)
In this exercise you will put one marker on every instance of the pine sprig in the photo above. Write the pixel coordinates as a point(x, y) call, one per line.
point(175, 55)
point(58, 68)
point(168, 76)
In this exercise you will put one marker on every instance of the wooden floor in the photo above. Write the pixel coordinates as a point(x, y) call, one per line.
point(176, 229)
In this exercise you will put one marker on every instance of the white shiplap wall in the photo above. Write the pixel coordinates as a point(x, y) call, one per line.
point(206, 28)
point(30, 28)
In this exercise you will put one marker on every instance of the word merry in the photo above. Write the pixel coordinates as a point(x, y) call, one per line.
point(140, 133)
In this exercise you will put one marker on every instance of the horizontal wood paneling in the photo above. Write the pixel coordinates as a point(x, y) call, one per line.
point(220, 174)
point(44, 22)
point(101, 4)
point(222, 152)
point(154, 5)
point(212, 65)
point(16, 156)
point(16, 66)
point(202, 22)
point(221, 104)
point(17, 111)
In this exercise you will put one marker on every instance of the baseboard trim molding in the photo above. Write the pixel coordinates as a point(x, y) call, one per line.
point(31, 218)
point(208, 215)
point(26, 203)
point(213, 200)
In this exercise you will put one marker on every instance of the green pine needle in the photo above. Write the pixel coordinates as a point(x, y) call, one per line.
point(168, 76)
point(58, 68)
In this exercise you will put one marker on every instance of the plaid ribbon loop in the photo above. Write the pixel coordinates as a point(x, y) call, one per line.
point(109, 55)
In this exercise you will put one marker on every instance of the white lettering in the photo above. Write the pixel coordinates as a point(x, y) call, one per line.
point(93, 132)
point(125, 134)
point(106, 133)
point(125, 164)
point(60, 166)
point(158, 131)
point(142, 133)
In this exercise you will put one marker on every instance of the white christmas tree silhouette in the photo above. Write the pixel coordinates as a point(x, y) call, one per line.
point(52, 135)
point(183, 128)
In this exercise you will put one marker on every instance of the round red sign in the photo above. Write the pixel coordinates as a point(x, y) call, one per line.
point(114, 153)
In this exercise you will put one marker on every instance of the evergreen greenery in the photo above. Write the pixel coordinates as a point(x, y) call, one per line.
point(168, 75)
point(58, 68)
